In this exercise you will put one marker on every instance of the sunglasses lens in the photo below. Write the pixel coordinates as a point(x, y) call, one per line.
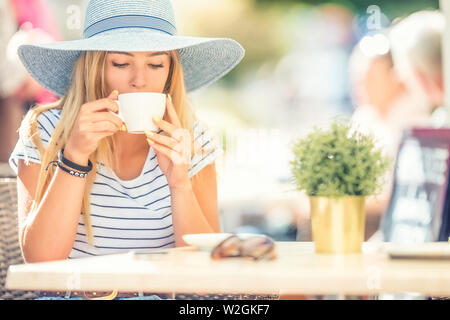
point(258, 247)
point(269, 254)
point(227, 248)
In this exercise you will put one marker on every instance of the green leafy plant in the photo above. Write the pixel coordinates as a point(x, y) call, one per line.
point(338, 161)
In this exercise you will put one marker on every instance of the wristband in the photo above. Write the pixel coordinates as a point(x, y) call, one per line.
point(72, 165)
point(72, 172)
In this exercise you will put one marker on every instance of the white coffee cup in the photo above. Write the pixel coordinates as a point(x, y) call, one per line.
point(137, 109)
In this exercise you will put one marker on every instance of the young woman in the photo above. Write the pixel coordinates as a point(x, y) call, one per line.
point(87, 187)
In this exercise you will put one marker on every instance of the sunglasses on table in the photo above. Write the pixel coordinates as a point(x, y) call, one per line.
point(258, 247)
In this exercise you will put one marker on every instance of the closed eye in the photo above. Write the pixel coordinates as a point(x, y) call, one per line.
point(156, 66)
point(123, 65)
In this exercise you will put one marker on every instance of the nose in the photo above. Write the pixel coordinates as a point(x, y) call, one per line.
point(138, 80)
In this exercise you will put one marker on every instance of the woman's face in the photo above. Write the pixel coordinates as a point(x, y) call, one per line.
point(137, 71)
point(382, 84)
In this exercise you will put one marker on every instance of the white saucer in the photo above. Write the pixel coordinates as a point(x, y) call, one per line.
point(205, 241)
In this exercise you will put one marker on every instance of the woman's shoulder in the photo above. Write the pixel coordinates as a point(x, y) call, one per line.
point(26, 148)
point(48, 119)
point(46, 122)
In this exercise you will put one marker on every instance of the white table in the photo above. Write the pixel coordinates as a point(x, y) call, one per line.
point(297, 270)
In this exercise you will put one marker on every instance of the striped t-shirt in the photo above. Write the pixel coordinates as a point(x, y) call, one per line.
point(125, 214)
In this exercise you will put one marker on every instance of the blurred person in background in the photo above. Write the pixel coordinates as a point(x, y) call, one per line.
point(35, 17)
point(38, 13)
point(415, 45)
point(417, 54)
point(22, 22)
point(10, 106)
point(385, 107)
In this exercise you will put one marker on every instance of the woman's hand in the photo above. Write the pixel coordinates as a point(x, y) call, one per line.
point(94, 122)
point(173, 150)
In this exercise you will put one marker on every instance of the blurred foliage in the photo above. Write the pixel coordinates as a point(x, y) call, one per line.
point(390, 8)
point(338, 161)
point(265, 27)
point(259, 30)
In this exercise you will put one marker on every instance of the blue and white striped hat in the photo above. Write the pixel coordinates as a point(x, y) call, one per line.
point(132, 25)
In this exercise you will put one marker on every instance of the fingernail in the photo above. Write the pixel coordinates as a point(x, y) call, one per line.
point(115, 92)
point(149, 133)
point(124, 127)
point(170, 98)
point(150, 141)
point(156, 118)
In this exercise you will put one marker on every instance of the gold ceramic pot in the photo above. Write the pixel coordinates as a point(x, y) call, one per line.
point(337, 224)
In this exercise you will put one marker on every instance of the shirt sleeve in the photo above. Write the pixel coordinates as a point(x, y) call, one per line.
point(25, 148)
point(206, 148)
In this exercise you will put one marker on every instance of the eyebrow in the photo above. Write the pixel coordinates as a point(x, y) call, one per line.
point(157, 53)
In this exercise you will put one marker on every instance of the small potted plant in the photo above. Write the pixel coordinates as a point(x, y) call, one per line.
point(338, 167)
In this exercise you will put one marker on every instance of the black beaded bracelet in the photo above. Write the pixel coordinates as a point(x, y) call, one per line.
point(72, 172)
point(72, 165)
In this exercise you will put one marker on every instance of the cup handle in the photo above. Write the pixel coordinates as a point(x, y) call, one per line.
point(117, 114)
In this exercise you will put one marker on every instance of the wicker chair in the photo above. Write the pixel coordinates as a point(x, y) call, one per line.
point(10, 253)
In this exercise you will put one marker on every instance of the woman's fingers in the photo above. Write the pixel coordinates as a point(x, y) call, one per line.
point(85, 135)
point(164, 140)
point(103, 134)
point(106, 103)
point(178, 142)
point(103, 104)
point(172, 154)
point(102, 126)
point(102, 116)
point(164, 125)
point(178, 155)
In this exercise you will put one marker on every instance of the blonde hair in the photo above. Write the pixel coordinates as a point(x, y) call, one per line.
point(416, 43)
point(88, 85)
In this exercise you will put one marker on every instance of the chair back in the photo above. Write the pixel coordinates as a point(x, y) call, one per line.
point(420, 202)
point(10, 252)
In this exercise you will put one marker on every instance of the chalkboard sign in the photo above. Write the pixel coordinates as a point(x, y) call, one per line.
point(419, 205)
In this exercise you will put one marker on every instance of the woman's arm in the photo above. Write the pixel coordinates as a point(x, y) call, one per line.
point(48, 233)
point(194, 205)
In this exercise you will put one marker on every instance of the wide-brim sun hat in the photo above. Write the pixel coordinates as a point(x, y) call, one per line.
point(128, 26)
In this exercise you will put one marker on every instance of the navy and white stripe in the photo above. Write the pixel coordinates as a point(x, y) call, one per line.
point(125, 214)
point(130, 21)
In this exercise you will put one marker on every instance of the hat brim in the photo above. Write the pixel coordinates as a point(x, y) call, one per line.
point(204, 60)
